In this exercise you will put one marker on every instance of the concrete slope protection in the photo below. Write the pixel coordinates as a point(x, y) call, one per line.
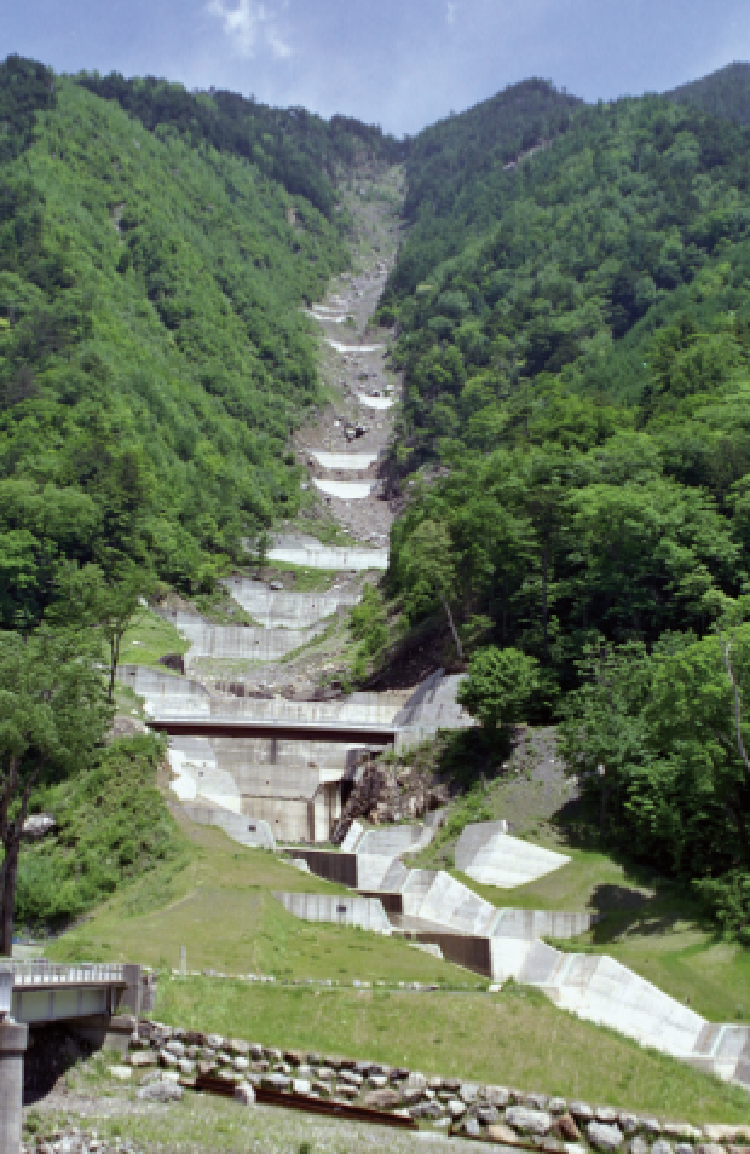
point(434, 908)
point(488, 854)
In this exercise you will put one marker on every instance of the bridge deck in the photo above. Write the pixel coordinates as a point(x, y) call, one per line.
point(46, 992)
point(366, 734)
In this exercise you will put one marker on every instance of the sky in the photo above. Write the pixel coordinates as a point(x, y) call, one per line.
point(399, 63)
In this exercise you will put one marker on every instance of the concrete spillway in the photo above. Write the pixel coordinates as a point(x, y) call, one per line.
point(283, 609)
point(344, 460)
point(375, 402)
point(345, 490)
point(236, 642)
point(353, 350)
point(296, 549)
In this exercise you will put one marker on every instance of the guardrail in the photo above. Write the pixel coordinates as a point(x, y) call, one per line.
point(40, 972)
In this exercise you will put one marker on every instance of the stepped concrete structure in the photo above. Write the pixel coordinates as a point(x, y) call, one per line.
point(488, 854)
point(434, 909)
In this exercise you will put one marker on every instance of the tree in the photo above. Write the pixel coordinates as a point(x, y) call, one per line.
point(499, 686)
point(88, 598)
point(53, 712)
point(428, 561)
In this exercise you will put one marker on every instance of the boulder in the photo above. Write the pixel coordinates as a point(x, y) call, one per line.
point(497, 1096)
point(581, 1111)
point(143, 1058)
point(469, 1092)
point(716, 1132)
point(237, 1047)
point(162, 1092)
point(241, 1064)
point(709, 1148)
point(557, 1105)
point(381, 1099)
point(488, 1115)
point(606, 1114)
point(410, 1095)
point(472, 1128)
point(244, 1093)
point(638, 1146)
point(528, 1121)
point(215, 1041)
point(121, 1073)
point(456, 1108)
point(628, 1123)
point(276, 1081)
point(661, 1146)
point(604, 1137)
point(566, 1127)
point(301, 1086)
point(499, 1132)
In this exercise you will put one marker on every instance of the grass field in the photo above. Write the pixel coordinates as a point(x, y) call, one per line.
point(515, 1038)
point(149, 638)
point(220, 907)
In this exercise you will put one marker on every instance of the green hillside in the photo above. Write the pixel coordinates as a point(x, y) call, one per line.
point(453, 168)
point(725, 93)
point(573, 444)
point(153, 358)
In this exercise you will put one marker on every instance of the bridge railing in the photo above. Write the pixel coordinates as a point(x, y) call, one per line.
point(40, 972)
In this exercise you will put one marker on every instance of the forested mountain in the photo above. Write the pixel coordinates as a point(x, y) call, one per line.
point(452, 169)
point(724, 93)
point(574, 452)
point(153, 358)
point(291, 145)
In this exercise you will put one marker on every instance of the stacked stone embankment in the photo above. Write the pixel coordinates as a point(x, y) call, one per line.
point(166, 1061)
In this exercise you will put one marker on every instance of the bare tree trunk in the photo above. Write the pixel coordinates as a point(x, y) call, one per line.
point(545, 605)
point(725, 653)
point(114, 659)
point(8, 898)
point(454, 631)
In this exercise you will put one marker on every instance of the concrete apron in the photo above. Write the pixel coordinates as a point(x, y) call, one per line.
point(14, 1038)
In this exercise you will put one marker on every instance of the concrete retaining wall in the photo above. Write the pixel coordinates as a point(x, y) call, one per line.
point(249, 831)
point(532, 924)
point(296, 549)
point(284, 609)
point(366, 913)
point(231, 642)
point(334, 867)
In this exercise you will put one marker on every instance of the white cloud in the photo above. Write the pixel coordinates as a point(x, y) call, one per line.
point(251, 26)
point(450, 11)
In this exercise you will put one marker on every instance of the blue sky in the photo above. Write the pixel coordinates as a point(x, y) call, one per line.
point(400, 63)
